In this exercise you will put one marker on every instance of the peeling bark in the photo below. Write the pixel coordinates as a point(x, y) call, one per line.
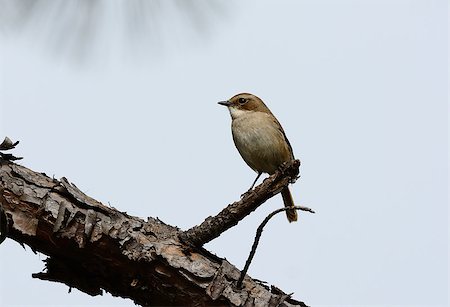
point(94, 248)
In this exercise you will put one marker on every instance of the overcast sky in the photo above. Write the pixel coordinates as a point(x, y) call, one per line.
point(360, 88)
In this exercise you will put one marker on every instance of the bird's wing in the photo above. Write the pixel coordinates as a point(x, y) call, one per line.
point(280, 128)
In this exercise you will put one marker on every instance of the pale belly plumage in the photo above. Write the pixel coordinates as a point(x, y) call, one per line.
point(261, 142)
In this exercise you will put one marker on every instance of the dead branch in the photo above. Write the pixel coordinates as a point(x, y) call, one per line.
point(95, 248)
point(3, 221)
point(212, 227)
point(258, 236)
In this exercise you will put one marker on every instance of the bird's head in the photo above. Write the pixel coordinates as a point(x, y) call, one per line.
point(244, 103)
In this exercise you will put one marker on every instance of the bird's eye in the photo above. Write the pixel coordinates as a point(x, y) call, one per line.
point(242, 100)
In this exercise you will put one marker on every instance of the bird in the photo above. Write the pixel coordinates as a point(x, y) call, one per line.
point(260, 140)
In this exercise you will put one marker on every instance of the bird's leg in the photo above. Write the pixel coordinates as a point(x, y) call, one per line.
point(251, 188)
point(257, 177)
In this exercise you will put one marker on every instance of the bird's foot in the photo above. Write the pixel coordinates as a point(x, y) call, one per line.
point(293, 180)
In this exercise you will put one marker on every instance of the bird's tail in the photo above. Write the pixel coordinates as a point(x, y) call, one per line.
point(289, 202)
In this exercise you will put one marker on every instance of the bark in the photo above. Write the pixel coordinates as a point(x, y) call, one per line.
point(96, 248)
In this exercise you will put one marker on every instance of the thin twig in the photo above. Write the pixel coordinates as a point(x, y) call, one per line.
point(258, 236)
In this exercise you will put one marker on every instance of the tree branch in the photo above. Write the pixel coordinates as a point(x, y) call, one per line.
point(3, 221)
point(212, 227)
point(258, 236)
point(93, 247)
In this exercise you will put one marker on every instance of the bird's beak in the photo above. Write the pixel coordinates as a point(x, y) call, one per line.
point(225, 103)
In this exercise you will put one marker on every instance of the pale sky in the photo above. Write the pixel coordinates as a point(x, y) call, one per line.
point(360, 88)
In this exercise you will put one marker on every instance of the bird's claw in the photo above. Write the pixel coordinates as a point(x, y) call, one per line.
point(293, 180)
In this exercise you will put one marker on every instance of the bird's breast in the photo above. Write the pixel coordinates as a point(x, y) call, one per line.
point(260, 141)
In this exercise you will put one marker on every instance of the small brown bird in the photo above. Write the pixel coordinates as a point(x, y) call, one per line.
point(260, 140)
